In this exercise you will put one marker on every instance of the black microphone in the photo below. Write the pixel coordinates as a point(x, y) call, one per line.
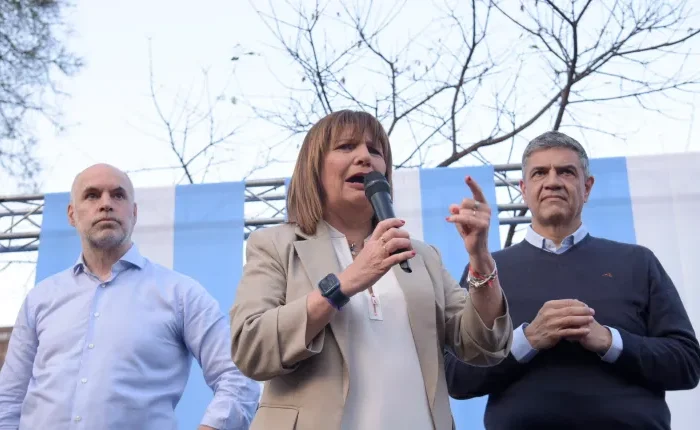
point(378, 192)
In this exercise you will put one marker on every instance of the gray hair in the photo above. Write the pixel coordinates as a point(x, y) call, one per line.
point(555, 139)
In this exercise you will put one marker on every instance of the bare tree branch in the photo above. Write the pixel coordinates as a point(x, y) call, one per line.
point(494, 140)
point(32, 58)
point(450, 86)
point(193, 129)
point(633, 37)
point(411, 87)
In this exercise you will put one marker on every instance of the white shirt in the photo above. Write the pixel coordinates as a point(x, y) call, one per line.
point(386, 385)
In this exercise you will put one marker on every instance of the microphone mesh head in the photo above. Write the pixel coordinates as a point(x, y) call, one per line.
point(375, 182)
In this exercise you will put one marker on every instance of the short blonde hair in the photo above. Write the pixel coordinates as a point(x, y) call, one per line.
point(305, 196)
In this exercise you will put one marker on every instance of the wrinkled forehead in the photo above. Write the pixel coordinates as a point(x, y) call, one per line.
point(554, 158)
point(101, 181)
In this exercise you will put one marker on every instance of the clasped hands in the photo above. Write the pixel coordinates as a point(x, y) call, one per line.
point(568, 319)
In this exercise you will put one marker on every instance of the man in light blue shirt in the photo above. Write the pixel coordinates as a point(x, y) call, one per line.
point(108, 343)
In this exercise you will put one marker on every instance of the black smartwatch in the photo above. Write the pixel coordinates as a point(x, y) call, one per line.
point(330, 289)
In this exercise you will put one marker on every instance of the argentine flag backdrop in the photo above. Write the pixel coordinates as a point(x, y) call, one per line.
point(198, 230)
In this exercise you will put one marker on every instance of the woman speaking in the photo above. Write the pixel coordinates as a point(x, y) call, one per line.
point(323, 313)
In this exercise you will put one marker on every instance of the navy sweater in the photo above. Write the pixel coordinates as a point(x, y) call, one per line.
point(568, 386)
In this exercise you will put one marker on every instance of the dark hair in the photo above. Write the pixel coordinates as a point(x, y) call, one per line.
point(556, 139)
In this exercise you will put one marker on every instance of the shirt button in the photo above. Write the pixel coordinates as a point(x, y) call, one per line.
point(97, 314)
point(91, 346)
point(77, 418)
point(103, 285)
point(84, 380)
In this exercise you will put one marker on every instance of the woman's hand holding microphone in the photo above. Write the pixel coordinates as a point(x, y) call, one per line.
point(471, 217)
point(376, 257)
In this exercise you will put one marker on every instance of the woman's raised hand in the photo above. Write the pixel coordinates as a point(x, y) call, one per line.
point(472, 217)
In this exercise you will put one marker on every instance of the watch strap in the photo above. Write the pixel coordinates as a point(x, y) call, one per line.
point(330, 289)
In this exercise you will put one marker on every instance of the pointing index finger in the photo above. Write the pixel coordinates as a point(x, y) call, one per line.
point(476, 190)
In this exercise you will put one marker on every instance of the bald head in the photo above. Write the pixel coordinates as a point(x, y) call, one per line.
point(102, 207)
point(100, 172)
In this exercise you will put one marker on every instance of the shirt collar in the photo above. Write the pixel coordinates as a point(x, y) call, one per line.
point(132, 257)
point(334, 232)
point(540, 241)
point(337, 234)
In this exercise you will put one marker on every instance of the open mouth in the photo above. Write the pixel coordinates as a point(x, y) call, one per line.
point(356, 179)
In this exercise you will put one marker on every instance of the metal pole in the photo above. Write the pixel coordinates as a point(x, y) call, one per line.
point(23, 235)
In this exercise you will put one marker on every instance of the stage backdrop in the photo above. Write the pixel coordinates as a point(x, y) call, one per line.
point(198, 230)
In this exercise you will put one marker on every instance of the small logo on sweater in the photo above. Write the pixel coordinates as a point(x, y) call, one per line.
point(608, 275)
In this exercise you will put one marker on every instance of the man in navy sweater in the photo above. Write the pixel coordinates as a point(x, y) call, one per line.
point(600, 330)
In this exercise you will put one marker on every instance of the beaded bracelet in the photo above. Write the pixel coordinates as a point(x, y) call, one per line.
point(476, 280)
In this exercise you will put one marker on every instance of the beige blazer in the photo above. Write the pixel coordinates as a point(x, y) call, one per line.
point(306, 385)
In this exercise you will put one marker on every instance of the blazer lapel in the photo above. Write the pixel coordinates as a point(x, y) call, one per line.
point(420, 301)
point(318, 259)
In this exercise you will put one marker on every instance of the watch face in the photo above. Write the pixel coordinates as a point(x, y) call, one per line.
point(328, 284)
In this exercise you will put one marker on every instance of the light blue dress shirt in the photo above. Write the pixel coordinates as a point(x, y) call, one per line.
point(87, 354)
point(521, 349)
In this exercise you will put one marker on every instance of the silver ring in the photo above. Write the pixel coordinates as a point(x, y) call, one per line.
point(476, 206)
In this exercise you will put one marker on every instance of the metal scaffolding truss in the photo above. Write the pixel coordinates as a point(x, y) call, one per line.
point(20, 222)
point(20, 216)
